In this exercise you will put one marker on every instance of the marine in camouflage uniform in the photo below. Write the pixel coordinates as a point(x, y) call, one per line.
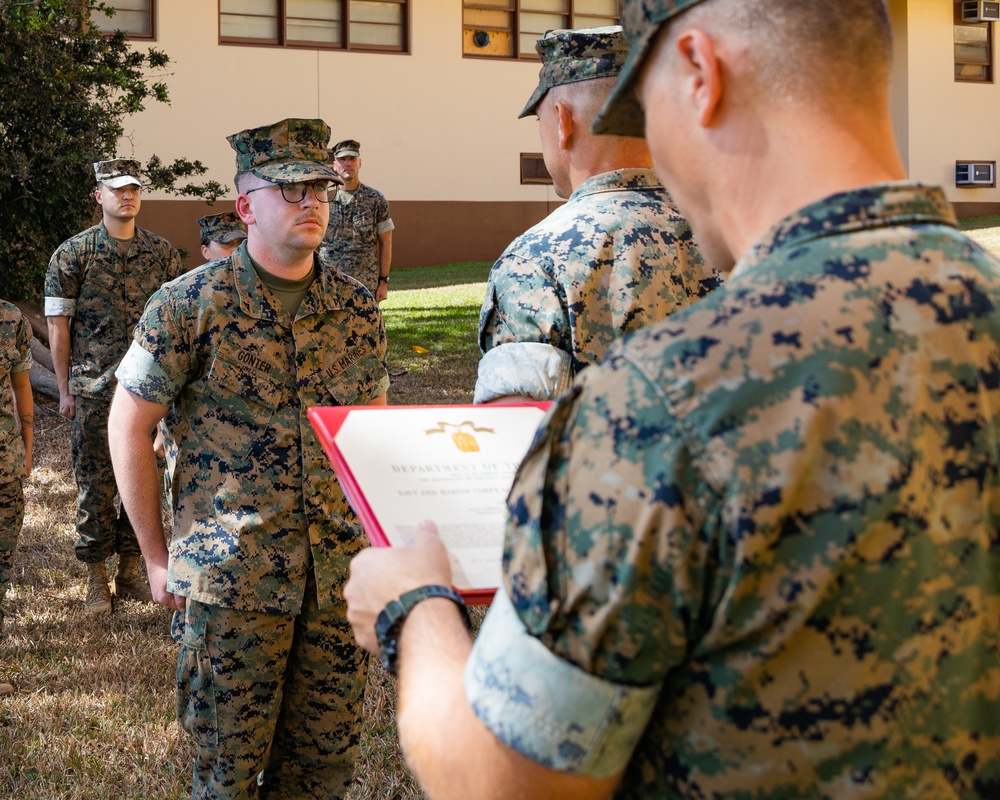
point(614, 258)
point(220, 234)
point(268, 679)
point(753, 553)
point(102, 284)
point(824, 486)
point(15, 438)
point(360, 228)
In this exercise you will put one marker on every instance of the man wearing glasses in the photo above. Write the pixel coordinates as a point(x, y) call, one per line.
point(232, 355)
point(96, 286)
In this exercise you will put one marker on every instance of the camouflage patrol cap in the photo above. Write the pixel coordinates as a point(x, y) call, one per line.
point(222, 228)
point(285, 152)
point(641, 21)
point(572, 56)
point(118, 172)
point(348, 147)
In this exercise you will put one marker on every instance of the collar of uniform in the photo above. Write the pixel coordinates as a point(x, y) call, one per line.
point(141, 238)
point(617, 181)
point(322, 294)
point(341, 192)
point(326, 292)
point(249, 286)
point(901, 203)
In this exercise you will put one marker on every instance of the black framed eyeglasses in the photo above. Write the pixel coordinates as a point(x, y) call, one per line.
point(296, 192)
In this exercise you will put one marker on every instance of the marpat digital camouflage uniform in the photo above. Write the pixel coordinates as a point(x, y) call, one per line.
point(15, 356)
point(262, 532)
point(104, 294)
point(351, 242)
point(754, 553)
point(614, 258)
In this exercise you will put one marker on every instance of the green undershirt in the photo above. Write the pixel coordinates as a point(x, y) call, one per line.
point(289, 292)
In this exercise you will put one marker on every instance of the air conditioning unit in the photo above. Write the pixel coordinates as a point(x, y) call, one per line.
point(980, 11)
point(975, 173)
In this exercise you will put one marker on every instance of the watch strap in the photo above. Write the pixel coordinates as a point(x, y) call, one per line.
point(390, 620)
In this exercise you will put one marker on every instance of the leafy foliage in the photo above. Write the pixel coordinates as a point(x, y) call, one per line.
point(66, 90)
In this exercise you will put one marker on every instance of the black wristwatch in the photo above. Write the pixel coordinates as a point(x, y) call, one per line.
point(390, 620)
point(383, 278)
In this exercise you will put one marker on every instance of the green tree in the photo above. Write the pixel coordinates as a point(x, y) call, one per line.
point(65, 90)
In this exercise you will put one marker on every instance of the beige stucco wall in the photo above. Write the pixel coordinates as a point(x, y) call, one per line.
point(946, 121)
point(433, 126)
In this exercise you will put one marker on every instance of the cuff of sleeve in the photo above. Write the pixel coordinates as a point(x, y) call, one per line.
point(140, 374)
point(60, 307)
point(531, 369)
point(548, 709)
point(385, 227)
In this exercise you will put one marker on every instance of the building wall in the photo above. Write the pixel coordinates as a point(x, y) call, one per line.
point(945, 120)
point(439, 133)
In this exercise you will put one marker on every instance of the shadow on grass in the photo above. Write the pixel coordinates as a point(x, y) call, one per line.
point(436, 277)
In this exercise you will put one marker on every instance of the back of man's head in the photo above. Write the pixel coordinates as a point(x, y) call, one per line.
point(802, 51)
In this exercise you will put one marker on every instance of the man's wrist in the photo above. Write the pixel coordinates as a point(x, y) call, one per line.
point(383, 278)
point(389, 623)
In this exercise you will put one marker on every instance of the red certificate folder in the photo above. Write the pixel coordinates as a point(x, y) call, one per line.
point(453, 464)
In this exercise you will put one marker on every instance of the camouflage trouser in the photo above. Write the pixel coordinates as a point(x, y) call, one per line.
point(11, 518)
point(273, 694)
point(103, 529)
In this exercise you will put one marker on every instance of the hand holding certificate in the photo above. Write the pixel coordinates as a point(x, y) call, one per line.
point(453, 464)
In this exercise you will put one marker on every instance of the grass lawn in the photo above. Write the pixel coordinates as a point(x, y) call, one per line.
point(432, 319)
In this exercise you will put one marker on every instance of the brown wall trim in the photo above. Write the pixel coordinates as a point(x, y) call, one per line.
point(964, 210)
point(427, 233)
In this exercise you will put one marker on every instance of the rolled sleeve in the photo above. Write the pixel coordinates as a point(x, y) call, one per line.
point(531, 369)
point(384, 227)
point(142, 376)
point(548, 709)
point(23, 365)
point(60, 307)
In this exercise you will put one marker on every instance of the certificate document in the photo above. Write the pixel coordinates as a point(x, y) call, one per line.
point(454, 464)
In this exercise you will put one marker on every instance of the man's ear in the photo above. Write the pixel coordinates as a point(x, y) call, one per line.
point(564, 119)
point(703, 79)
point(244, 210)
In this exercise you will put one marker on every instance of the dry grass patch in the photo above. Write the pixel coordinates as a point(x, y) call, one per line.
point(92, 711)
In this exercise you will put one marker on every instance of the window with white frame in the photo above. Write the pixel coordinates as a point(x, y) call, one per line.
point(134, 17)
point(345, 24)
point(510, 28)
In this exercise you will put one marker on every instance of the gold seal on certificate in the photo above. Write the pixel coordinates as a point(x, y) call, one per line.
point(455, 464)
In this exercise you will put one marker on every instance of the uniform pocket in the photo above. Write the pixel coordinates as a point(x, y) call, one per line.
point(355, 384)
point(196, 708)
point(240, 402)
